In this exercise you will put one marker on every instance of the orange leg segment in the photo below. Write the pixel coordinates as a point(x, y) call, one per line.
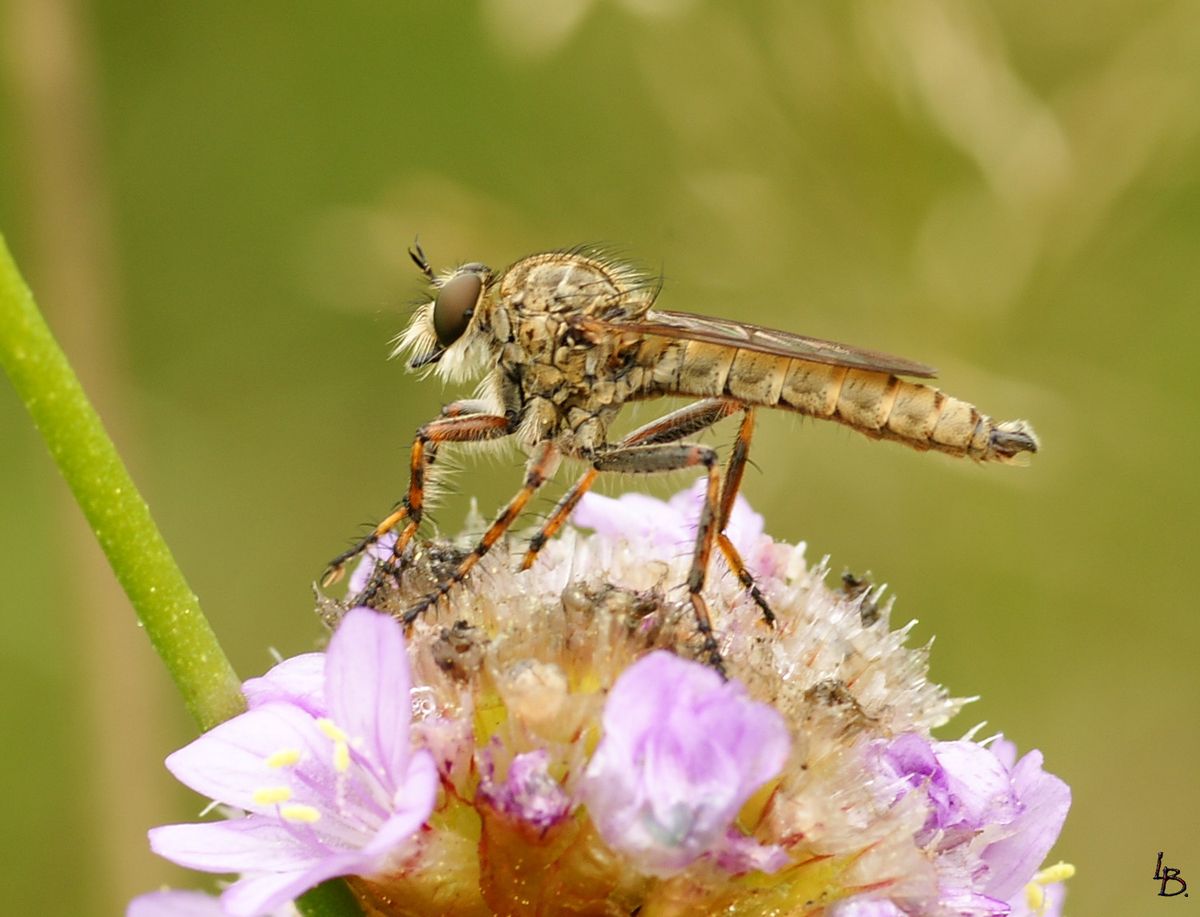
point(457, 425)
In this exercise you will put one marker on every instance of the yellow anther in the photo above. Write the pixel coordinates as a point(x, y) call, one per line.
point(1035, 897)
point(1059, 872)
point(300, 813)
point(285, 757)
point(341, 743)
point(341, 757)
point(270, 795)
point(332, 730)
point(1035, 894)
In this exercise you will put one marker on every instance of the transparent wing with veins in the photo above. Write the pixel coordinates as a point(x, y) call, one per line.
point(745, 336)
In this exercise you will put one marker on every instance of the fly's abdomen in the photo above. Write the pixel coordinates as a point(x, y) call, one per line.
point(888, 407)
point(878, 404)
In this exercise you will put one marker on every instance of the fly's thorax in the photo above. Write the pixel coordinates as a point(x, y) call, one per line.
point(570, 383)
point(547, 358)
point(573, 282)
point(577, 428)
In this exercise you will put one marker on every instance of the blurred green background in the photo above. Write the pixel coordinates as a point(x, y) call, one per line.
point(212, 202)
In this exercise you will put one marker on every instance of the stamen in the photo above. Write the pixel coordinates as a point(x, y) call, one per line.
point(300, 814)
point(1059, 872)
point(341, 746)
point(270, 795)
point(1035, 893)
point(285, 757)
point(341, 757)
point(1035, 897)
point(332, 730)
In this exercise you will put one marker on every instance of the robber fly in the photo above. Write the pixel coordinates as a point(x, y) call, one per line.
point(564, 340)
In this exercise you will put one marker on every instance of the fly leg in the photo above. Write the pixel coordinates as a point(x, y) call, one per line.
point(651, 459)
point(673, 427)
point(335, 569)
point(459, 424)
point(734, 471)
point(540, 468)
point(667, 429)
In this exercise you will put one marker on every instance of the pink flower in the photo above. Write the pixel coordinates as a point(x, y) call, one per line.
point(322, 765)
point(866, 906)
point(682, 752)
point(671, 525)
point(992, 819)
point(529, 793)
point(1043, 801)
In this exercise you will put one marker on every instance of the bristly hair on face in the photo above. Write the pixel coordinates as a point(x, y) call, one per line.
point(417, 341)
point(463, 360)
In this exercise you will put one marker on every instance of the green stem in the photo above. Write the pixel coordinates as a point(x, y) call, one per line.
point(116, 512)
point(88, 460)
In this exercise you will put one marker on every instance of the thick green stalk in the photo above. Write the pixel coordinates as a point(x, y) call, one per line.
point(88, 460)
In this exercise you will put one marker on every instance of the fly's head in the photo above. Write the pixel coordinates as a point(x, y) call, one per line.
point(450, 334)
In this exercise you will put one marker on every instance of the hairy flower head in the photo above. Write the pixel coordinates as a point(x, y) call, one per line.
point(567, 753)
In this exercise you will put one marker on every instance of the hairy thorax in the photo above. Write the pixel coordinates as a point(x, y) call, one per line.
point(571, 380)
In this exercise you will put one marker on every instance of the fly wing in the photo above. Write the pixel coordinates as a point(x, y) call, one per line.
point(745, 336)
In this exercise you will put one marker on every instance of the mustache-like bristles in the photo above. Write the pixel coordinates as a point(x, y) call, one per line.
point(426, 359)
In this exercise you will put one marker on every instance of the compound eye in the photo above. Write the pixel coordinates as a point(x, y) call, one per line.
point(454, 306)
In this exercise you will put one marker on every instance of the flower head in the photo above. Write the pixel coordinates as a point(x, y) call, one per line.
point(586, 762)
point(322, 766)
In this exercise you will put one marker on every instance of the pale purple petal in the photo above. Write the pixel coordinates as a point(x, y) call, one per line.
point(634, 517)
point(229, 763)
point(257, 895)
point(252, 843)
point(278, 861)
point(682, 751)
point(1005, 752)
point(967, 787)
point(910, 757)
point(745, 527)
point(529, 792)
point(232, 762)
point(965, 903)
point(637, 701)
point(864, 906)
point(979, 790)
point(367, 687)
point(299, 680)
point(1045, 800)
point(972, 791)
point(669, 526)
point(175, 904)
point(411, 805)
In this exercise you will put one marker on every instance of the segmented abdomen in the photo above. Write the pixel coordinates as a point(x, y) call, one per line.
point(877, 404)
